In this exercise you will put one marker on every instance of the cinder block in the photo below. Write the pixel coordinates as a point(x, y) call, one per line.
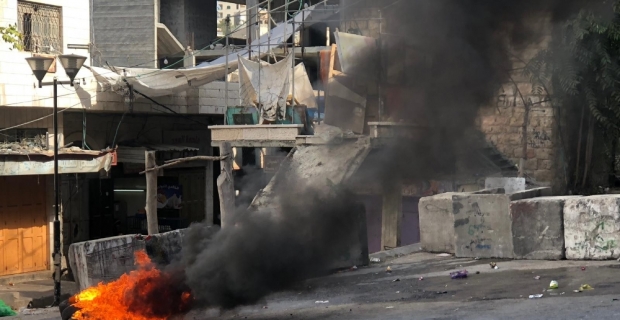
point(538, 228)
point(437, 223)
point(482, 226)
point(592, 227)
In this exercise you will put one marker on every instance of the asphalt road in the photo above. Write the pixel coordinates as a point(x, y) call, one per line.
point(372, 293)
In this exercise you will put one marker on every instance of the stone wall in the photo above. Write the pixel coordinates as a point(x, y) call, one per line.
point(502, 125)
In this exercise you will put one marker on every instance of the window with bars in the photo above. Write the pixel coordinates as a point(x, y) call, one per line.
point(40, 24)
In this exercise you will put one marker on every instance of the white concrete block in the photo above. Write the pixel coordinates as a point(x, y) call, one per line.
point(592, 227)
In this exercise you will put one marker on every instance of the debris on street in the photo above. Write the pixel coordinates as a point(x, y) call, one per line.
point(444, 255)
point(395, 280)
point(390, 307)
point(537, 278)
point(553, 284)
point(585, 287)
point(5, 310)
point(388, 269)
point(458, 274)
point(375, 260)
point(493, 265)
point(420, 278)
point(321, 302)
point(536, 296)
point(583, 268)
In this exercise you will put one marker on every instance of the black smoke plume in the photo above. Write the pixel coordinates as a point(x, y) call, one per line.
point(270, 250)
point(453, 56)
point(469, 47)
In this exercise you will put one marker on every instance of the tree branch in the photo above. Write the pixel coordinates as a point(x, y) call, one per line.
point(174, 162)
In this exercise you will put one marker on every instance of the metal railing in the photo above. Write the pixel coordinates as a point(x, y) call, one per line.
point(40, 26)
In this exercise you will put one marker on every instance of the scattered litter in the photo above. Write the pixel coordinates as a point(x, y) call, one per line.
point(420, 278)
point(353, 268)
point(536, 296)
point(562, 293)
point(537, 278)
point(476, 258)
point(477, 272)
point(493, 265)
point(388, 270)
point(585, 287)
point(6, 311)
point(397, 291)
point(375, 260)
point(395, 280)
point(576, 291)
point(458, 274)
point(442, 292)
point(583, 268)
point(265, 307)
point(614, 299)
point(444, 255)
point(553, 284)
point(321, 302)
point(390, 307)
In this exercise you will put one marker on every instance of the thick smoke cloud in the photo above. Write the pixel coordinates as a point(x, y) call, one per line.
point(469, 48)
point(267, 251)
point(469, 45)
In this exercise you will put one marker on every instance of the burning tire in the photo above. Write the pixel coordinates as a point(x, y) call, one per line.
point(67, 309)
point(68, 312)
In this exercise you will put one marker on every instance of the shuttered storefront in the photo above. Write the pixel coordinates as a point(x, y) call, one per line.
point(24, 244)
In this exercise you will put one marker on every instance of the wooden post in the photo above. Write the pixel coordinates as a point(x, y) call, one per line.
point(151, 193)
point(225, 185)
point(209, 194)
point(392, 216)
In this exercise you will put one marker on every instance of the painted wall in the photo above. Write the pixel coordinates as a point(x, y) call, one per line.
point(16, 78)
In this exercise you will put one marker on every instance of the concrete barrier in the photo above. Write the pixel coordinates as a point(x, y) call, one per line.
point(437, 223)
point(592, 227)
point(476, 224)
point(538, 228)
point(482, 226)
point(107, 259)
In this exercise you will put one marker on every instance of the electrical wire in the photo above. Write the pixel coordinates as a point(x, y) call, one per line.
point(39, 119)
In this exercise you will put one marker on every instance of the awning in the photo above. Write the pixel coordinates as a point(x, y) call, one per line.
point(155, 83)
point(43, 164)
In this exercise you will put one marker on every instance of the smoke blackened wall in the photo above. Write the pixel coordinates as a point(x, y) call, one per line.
point(444, 61)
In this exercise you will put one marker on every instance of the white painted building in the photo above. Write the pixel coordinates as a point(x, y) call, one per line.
point(237, 12)
point(53, 27)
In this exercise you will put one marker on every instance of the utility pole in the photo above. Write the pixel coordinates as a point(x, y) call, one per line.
point(151, 193)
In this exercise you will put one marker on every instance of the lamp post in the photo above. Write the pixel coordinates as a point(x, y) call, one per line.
point(72, 64)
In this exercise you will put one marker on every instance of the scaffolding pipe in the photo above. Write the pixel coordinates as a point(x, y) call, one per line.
point(227, 68)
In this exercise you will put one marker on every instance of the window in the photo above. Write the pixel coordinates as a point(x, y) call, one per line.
point(220, 15)
point(228, 7)
point(40, 26)
point(237, 6)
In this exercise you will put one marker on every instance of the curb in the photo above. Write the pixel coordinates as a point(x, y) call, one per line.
point(397, 252)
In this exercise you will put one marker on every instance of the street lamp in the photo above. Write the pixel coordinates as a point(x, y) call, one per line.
point(39, 65)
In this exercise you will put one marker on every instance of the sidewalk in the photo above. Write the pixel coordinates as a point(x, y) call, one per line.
point(37, 293)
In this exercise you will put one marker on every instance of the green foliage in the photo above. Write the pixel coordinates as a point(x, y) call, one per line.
point(582, 65)
point(12, 36)
point(581, 68)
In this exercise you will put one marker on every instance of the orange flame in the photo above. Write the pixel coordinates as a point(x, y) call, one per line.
point(143, 294)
